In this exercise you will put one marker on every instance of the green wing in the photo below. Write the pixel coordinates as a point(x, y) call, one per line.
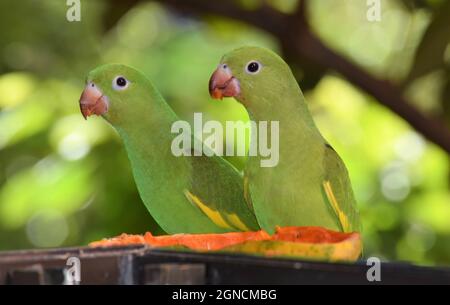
point(338, 190)
point(217, 190)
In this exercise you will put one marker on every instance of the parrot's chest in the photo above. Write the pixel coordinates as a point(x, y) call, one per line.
point(296, 173)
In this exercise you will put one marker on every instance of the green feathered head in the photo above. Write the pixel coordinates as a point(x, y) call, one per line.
point(251, 74)
point(116, 92)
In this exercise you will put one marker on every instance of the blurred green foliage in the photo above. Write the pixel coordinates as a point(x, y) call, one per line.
point(65, 181)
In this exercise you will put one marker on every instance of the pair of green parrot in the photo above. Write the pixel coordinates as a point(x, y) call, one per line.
point(199, 194)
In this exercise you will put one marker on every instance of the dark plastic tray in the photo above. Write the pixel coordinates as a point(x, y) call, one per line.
point(144, 265)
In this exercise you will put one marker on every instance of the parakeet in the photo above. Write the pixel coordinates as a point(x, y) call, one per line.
point(184, 194)
point(310, 185)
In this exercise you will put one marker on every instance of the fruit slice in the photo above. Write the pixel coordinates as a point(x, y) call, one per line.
point(305, 242)
point(296, 242)
point(201, 242)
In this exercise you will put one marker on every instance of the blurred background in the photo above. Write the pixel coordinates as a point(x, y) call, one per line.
point(379, 92)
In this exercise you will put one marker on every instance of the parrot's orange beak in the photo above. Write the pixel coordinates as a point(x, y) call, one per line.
point(223, 84)
point(92, 101)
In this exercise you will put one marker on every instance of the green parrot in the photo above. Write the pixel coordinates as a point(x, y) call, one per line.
point(184, 194)
point(310, 185)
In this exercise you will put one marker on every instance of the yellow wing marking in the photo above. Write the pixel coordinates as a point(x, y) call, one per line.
point(237, 222)
point(214, 216)
point(343, 219)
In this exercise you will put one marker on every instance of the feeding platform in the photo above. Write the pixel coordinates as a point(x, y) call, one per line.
point(146, 265)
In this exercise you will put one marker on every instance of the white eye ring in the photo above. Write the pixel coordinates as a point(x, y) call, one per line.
point(120, 83)
point(253, 67)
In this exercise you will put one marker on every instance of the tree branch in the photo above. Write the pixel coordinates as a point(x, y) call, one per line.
point(308, 45)
point(297, 38)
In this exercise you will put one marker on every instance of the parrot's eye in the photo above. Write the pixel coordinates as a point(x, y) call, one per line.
point(253, 67)
point(120, 83)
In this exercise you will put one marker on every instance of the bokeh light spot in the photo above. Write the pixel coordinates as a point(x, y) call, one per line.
point(395, 183)
point(74, 146)
point(410, 147)
point(47, 228)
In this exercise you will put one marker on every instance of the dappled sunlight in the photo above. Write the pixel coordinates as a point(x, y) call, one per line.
point(41, 229)
point(50, 183)
point(66, 181)
point(390, 167)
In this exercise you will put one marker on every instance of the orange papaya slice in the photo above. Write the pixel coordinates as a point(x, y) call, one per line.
point(296, 242)
point(202, 242)
point(312, 243)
